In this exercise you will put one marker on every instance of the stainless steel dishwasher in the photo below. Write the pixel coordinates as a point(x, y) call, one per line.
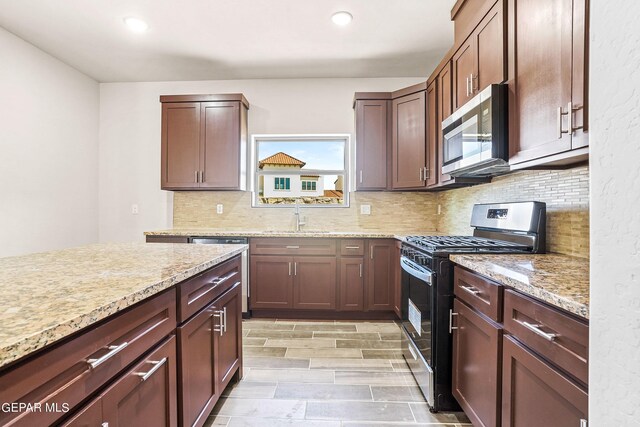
point(245, 262)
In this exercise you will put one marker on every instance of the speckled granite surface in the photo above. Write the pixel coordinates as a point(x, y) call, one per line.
point(560, 280)
point(48, 296)
point(212, 232)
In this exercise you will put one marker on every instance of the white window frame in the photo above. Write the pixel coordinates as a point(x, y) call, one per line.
point(255, 173)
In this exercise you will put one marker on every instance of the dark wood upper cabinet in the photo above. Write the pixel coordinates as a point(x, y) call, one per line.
point(479, 62)
point(476, 365)
point(409, 141)
point(445, 108)
point(433, 129)
point(204, 142)
point(535, 394)
point(381, 271)
point(547, 83)
point(373, 130)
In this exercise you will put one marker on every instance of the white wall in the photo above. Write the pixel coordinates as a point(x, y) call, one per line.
point(614, 347)
point(48, 151)
point(130, 135)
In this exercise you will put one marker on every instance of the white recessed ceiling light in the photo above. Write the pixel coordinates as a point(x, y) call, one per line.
point(341, 18)
point(136, 25)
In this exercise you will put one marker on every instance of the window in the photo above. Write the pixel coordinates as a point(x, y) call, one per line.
point(308, 169)
point(282, 184)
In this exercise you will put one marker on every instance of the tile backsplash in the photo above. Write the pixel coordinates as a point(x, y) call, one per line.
point(566, 193)
point(390, 212)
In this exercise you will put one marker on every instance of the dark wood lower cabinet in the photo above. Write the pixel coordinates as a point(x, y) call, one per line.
point(381, 268)
point(271, 281)
point(476, 365)
point(351, 284)
point(210, 345)
point(144, 395)
point(314, 283)
point(535, 394)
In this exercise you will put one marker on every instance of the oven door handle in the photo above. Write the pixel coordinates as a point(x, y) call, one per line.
point(413, 269)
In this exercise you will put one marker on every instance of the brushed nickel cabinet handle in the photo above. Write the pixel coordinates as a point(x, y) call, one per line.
point(352, 247)
point(197, 176)
point(220, 315)
point(293, 247)
point(451, 327)
point(467, 82)
point(295, 268)
point(471, 84)
point(157, 365)
point(420, 174)
point(224, 317)
point(471, 290)
point(360, 265)
point(426, 173)
point(560, 114)
point(201, 176)
point(360, 176)
point(371, 252)
point(571, 111)
point(115, 349)
point(289, 268)
point(536, 330)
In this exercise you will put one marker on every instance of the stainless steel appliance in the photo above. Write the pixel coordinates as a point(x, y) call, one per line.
point(427, 287)
point(475, 137)
point(245, 262)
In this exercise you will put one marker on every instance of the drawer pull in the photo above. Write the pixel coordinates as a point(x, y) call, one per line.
point(293, 247)
point(115, 349)
point(471, 290)
point(157, 365)
point(451, 327)
point(352, 247)
point(220, 280)
point(536, 329)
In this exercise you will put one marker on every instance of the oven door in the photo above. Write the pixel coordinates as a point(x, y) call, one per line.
point(417, 305)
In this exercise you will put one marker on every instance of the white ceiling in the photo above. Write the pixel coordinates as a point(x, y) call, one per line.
point(236, 39)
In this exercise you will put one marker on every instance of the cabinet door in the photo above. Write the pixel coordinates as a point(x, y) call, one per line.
point(229, 340)
point(314, 286)
point(380, 274)
point(372, 132)
point(409, 141)
point(433, 129)
point(351, 284)
point(540, 61)
point(271, 281)
point(535, 394)
point(490, 49)
point(444, 111)
point(397, 284)
point(180, 145)
point(464, 69)
point(476, 362)
point(579, 78)
point(220, 146)
point(197, 366)
point(147, 394)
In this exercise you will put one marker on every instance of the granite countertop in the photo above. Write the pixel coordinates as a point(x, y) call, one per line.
point(212, 232)
point(560, 280)
point(48, 296)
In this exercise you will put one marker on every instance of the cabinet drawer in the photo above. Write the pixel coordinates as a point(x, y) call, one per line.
point(352, 247)
point(559, 338)
point(167, 239)
point(197, 292)
point(292, 246)
point(73, 370)
point(480, 293)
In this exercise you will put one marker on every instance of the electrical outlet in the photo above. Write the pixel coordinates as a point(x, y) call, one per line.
point(134, 209)
point(219, 208)
point(365, 209)
point(439, 209)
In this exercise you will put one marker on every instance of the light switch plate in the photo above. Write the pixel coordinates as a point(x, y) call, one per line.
point(365, 209)
point(134, 209)
point(219, 208)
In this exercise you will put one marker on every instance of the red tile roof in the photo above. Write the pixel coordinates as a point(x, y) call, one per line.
point(333, 193)
point(281, 159)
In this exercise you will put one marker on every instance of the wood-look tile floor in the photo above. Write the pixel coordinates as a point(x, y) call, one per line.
point(325, 374)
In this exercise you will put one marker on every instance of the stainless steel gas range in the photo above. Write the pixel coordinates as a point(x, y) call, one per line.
point(427, 287)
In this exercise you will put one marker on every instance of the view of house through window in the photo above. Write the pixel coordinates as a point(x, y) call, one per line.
point(307, 169)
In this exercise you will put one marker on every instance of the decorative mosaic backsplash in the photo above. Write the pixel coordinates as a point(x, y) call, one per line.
point(566, 193)
point(396, 212)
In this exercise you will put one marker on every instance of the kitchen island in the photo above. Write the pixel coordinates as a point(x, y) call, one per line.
point(74, 319)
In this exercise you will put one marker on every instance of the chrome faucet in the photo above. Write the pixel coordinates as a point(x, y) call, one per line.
point(296, 213)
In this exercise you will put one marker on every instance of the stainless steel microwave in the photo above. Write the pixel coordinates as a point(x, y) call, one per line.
point(475, 137)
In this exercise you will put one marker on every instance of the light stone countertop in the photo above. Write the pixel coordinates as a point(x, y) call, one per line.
point(212, 232)
point(560, 280)
point(48, 296)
